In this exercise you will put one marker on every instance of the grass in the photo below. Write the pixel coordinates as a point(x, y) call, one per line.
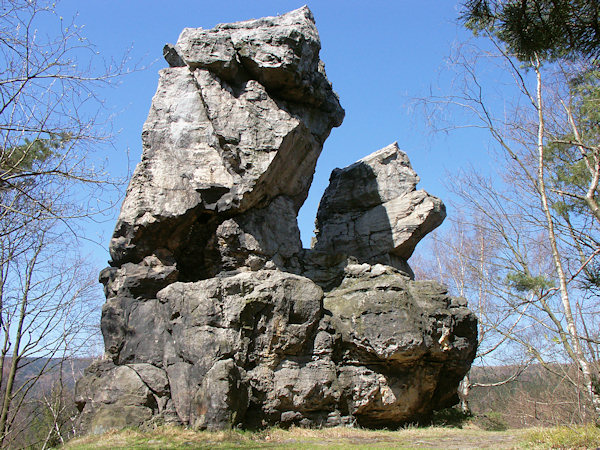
point(179, 438)
point(169, 437)
point(587, 436)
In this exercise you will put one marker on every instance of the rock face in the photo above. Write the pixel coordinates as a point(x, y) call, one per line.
point(215, 316)
point(373, 211)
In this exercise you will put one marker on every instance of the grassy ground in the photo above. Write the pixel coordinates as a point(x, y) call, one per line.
point(430, 437)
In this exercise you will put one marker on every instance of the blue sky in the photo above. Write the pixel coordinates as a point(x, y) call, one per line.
point(379, 56)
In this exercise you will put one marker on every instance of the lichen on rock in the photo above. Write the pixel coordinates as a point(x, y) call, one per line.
point(215, 315)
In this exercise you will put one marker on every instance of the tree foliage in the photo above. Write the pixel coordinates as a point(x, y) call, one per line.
point(547, 28)
point(23, 158)
point(523, 282)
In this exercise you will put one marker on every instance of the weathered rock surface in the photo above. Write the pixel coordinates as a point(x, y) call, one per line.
point(373, 211)
point(414, 329)
point(215, 316)
point(241, 122)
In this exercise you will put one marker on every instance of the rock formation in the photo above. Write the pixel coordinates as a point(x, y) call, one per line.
point(372, 210)
point(215, 316)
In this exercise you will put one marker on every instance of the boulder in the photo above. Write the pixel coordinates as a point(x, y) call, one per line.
point(216, 317)
point(110, 396)
point(419, 338)
point(373, 211)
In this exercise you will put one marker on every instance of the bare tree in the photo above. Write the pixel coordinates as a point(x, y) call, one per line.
point(48, 301)
point(464, 256)
point(50, 116)
point(541, 207)
point(52, 182)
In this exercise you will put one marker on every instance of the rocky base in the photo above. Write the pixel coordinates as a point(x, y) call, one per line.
point(271, 348)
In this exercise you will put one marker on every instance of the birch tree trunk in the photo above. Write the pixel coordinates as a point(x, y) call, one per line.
point(572, 345)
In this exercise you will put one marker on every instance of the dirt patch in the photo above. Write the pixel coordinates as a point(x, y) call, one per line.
point(442, 438)
point(499, 440)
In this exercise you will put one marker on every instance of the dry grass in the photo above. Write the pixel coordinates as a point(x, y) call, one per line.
point(430, 437)
point(167, 437)
point(587, 436)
